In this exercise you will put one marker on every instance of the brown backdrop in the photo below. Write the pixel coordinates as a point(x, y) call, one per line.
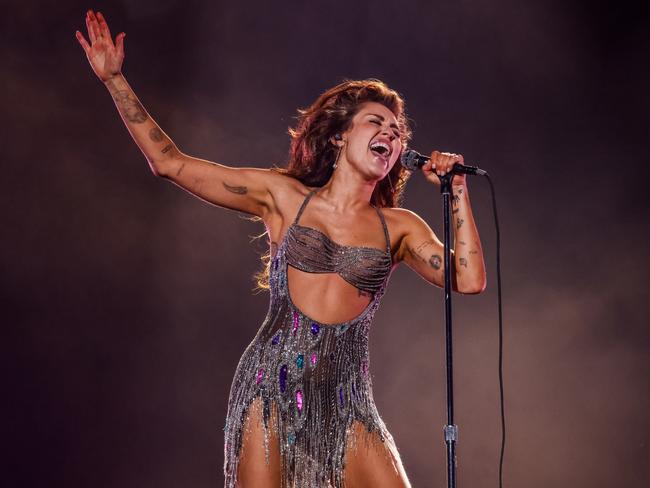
point(126, 303)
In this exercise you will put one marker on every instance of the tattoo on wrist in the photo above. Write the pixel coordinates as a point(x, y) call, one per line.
point(435, 261)
point(239, 190)
point(155, 134)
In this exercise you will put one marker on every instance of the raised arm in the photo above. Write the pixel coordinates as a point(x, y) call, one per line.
point(250, 190)
point(421, 249)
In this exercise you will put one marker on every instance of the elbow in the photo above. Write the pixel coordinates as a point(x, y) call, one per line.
point(473, 288)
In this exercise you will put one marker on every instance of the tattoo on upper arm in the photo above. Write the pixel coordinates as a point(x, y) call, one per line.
point(435, 261)
point(462, 262)
point(239, 190)
point(155, 134)
point(424, 244)
point(133, 110)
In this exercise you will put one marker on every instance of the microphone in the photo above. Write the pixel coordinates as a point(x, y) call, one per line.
point(413, 160)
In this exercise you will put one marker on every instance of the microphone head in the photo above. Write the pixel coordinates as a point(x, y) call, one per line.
point(409, 159)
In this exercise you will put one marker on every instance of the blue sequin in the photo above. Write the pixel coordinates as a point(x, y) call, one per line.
point(314, 328)
point(300, 361)
point(283, 378)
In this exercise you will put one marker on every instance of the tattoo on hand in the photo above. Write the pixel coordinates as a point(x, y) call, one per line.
point(459, 222)
point(239, 190)
point(155, 134)
point(133, 110)
point(463, 262)
point(435, 261)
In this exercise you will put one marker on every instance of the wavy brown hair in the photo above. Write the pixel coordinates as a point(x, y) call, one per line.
point(311, 154)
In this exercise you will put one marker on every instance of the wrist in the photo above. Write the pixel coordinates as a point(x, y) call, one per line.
point(112, 78)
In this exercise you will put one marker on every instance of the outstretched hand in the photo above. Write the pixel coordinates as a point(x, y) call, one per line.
point(104, 57)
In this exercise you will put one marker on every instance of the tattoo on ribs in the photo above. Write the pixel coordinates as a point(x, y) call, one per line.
point(239, 190)
point(155, 134)
point(463, 262)
point(133, 110)
point(435, 261)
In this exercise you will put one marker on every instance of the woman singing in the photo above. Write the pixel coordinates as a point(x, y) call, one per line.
point(301, 411)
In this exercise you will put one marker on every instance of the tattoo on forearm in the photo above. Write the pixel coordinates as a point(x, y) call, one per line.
point(455, 199)
point(167, 148)
point(435, 261)
point(459, 222)
point(473, 252)
point(180, 170)
point(462, 243)
point(456, 210)
point(239, 190)
point(462, 262)
point(155, 134)
point(133, 109)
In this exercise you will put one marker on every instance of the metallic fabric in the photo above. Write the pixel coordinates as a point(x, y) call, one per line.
point(312, 379)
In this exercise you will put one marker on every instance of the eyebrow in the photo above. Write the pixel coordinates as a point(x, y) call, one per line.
point(381, 117)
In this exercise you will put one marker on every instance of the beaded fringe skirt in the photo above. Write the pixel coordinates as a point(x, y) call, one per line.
point(312, 381)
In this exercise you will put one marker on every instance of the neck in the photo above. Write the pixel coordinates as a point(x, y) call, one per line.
point(347, 190)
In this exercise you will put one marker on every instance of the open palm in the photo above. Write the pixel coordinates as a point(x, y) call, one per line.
point(104, 57)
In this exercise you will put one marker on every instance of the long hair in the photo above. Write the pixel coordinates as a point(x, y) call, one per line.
point(311, 154)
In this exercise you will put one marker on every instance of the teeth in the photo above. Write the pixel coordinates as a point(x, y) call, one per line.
point(379, 144)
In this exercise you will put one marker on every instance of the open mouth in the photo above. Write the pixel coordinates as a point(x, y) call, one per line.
point(381, 149)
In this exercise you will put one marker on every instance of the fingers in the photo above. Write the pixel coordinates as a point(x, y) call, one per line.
point(83, 42)
point(103, 26)
point(443, 162)
point(89, 26)
point(119, 43)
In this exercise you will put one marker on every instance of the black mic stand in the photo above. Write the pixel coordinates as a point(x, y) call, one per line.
point(450, 430)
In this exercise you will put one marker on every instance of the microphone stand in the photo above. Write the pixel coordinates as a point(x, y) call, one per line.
point(450, 430)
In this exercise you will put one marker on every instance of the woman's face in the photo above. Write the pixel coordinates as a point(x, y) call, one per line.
point(372, 143)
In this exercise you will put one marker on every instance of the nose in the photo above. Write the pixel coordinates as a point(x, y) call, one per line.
point(389, 132)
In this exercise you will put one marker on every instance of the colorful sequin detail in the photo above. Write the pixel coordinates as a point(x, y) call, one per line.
point(314, 377)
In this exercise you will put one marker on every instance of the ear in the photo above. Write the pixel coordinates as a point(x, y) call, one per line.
point(337, 140)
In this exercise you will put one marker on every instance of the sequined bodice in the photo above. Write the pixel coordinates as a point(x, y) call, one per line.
point(312, 251)
point(315, 376)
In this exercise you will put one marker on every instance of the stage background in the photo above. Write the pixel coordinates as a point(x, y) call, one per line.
point(126, 302)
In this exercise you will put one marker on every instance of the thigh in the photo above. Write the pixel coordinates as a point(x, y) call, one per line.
point(253, 471)
point(371, 463)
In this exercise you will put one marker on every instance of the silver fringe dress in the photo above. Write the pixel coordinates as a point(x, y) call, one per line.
point(314, 375)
